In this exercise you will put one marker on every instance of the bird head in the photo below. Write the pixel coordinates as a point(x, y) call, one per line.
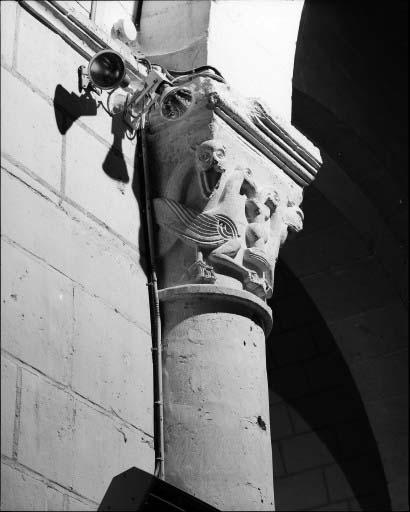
point(262, 204)
point(209, 157)
point(248, 187)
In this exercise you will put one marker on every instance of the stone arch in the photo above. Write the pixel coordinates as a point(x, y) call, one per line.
point(350, 260)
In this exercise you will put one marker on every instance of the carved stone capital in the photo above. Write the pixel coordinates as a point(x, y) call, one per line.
point(228, 181)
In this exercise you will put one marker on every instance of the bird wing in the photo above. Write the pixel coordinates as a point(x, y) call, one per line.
point(195, 228)
point(258, 257)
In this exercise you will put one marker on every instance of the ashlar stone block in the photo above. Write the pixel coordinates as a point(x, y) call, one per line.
point(75, 505)
point(21, 491)
point(101, 186)
point(37, 312)
point(55, 64)
point(304, 452)
point(79, 248)
point(8, 405)
point(25, 119)
point(8, 29)
point(47, 425)
point(311, 491)
point(104, 448)
point(120, 355)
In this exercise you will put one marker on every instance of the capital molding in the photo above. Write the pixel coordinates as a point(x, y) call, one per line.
point(279, 141)
point(221, 298)
point(228, 181)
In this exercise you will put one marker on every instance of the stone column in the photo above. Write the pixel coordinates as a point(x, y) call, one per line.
point(227, 184)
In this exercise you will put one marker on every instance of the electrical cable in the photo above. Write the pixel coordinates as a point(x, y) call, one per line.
point(154, 306)
point(189, 78)
point(131, 138)
point(146, 62)
point(108, 109)
point(195, 70)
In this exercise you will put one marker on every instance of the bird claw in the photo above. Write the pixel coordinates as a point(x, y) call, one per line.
point(255, 284)
point(200, 272)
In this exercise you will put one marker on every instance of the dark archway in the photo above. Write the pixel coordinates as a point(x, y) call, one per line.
point(350, 96)
point(324, 448)
point(350, 99)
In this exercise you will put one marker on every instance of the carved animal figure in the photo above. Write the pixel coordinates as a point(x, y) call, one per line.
point(209, 156)
point(219, 230)
point(259, 210)
point(269, 220)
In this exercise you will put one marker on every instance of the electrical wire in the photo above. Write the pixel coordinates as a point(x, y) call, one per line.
point(189, 78)
point(146, 62)
point(133, 137)
point(100, 103)
point(194, 71)
point(108, 109)
point(154, 306)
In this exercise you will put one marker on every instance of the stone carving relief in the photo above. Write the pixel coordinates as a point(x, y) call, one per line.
point(209, 156)
point(229, 179)
point(241, 228)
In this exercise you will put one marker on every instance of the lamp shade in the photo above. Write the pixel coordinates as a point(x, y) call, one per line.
point(107, 70)
point(175, 102)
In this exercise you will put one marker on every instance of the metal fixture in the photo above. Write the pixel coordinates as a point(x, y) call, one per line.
point(107, 71)
point(154, 305)
point(124, 30)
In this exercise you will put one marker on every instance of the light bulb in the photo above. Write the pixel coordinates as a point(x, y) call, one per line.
point(117, 101)
point(175, 102)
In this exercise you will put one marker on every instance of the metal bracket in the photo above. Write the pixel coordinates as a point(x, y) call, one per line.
point(84, 83)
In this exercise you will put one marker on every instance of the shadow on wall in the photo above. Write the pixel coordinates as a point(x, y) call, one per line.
point(68, 107)
point(323, 446)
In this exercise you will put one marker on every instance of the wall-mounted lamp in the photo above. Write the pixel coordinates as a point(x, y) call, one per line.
point(107, 71)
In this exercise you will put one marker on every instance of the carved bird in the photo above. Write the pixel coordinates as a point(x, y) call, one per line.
point(219, 229)
point(209, 157)
point(196, 229)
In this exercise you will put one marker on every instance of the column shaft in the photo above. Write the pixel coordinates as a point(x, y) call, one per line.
point(216, 405)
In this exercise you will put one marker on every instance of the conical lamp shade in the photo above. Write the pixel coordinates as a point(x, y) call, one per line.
point(107, 70)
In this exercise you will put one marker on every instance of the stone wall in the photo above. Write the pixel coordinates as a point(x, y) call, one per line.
point(76, 349)
point(76, 408)
point(337, 391)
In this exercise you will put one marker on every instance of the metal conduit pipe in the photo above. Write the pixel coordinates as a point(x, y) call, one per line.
point(154, 309)
point(153, 284)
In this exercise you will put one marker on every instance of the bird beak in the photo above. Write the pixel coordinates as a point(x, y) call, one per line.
point(211, 177)
point(248, 187)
